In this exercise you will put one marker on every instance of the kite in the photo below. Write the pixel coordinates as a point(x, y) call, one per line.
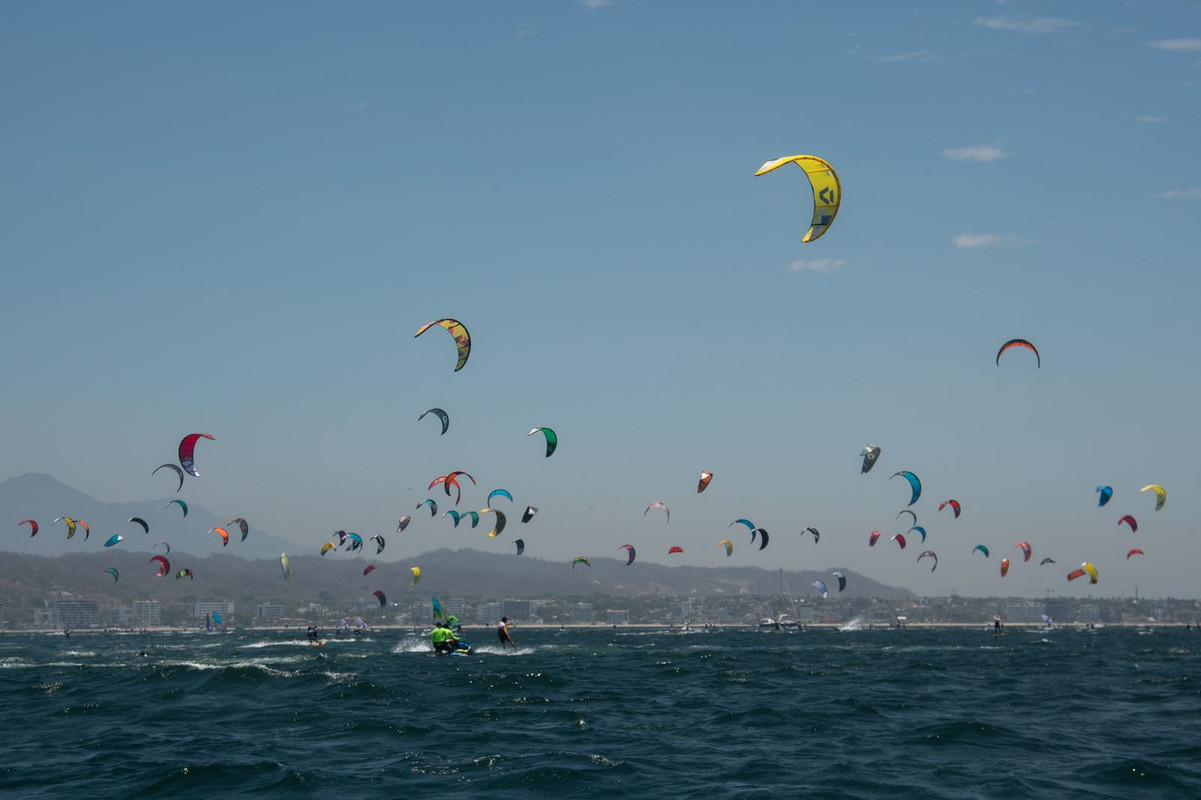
point(520, 545)
point(224, 534)
point(982, 549)
point(816, 535)
point(1004, 567)
point(285, 565)
point(910, 513)
point(1085, 569)
point(842, 580)
point(242, 526)
point(914, 484)
point(86, 530)
point(920, 530)
point(113, 571)
point(178, 471)
point(455, 515)
point(369, 568)
point(675, 549)
point(70, 525)
point(404, 522)
point(187, 452)
point(823, 181)
point(427, 502)
point(954, 504)
point(379, 543)
point(356, 542)
point(116, 538)
point(1045, 561)
point(762, 537)
point(1134, 552)
point(185, 573)
point(530, 511)
point(164, 566)
point(383, 601)
point(142, 522)
point(1129, 520)
point(33, 526)
point(164, 543)
point(1161, 496)
point(726, 543)
point(416, 572)
point(1012, 343)
point(500, 522)
point(703, 483)
point(475, 517)
point(442, 415)
point(872, 538)
point(932, 555)
point(458, 332)
point(1025, 548)
point(552, 439)
point(629, 548)
point(1105, 493)
point(325, 548)
point(750, 526)
point(180, 503)
point(870, 454)
point(899, 539)
point(663, 506)
point(498, 493)
point(581, 560)
point(820, 585)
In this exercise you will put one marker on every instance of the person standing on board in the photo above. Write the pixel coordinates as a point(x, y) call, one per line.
point(502, 631)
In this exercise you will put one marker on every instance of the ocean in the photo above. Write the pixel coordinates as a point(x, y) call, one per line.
point(931, 713)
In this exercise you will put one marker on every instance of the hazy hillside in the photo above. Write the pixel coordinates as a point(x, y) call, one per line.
point(43, 498)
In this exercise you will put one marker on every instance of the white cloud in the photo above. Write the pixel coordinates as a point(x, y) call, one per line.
point(976, 240)
point(1177, 45)
point(1029, 27)
point(1151, 120)
point(1171, 194)
point(977, 152)
point(594, 4)
point(822, 265)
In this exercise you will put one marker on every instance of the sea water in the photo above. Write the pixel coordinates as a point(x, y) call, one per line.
point(934, 713)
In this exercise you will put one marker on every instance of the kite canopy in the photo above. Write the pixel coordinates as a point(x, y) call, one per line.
point(663, 506)
point(416, 573)
point(629, 548)
point(285, 565)
point(1161, 496)
point(458, 332)
point(500, 522)
point(530, 511)
point(823, 181)
point(552, 439)
point(520, 545)
point(1104, 492)
point(820, 585)
point(33, 526)
point(954, 504)
point(187, 450)
point(870, 454)
point(185, 573)
point(842, 580)
point(1020, 343)
point(442, 415)
point(164, 566)
point(703, 483)
point(1004, 567)
point(178, 472)
point(929, 554)
point(142, 522)
point(675, 549)
point(914, 484)
point(726, 543)
point(581, 560)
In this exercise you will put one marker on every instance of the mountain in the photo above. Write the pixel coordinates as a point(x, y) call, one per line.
point(44, 498)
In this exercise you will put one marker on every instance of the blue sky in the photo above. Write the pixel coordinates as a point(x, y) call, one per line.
point(231, 218)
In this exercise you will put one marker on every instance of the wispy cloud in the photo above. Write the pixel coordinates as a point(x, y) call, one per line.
point(978, 240)
point(977, 152)
point(1029, 27)
point(822, 265)
point(922, 56)
point(1190, 192)
point(1177, 45)
point(1152, 120)
point(595, 4)
point(523, 34)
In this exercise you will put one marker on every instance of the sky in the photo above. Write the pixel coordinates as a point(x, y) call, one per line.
point(232, 218)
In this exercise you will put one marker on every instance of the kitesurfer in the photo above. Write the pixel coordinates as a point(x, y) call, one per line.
point(312, 633)
point(502, 631)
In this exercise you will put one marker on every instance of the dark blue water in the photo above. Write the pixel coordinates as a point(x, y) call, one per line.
point(862, 714)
